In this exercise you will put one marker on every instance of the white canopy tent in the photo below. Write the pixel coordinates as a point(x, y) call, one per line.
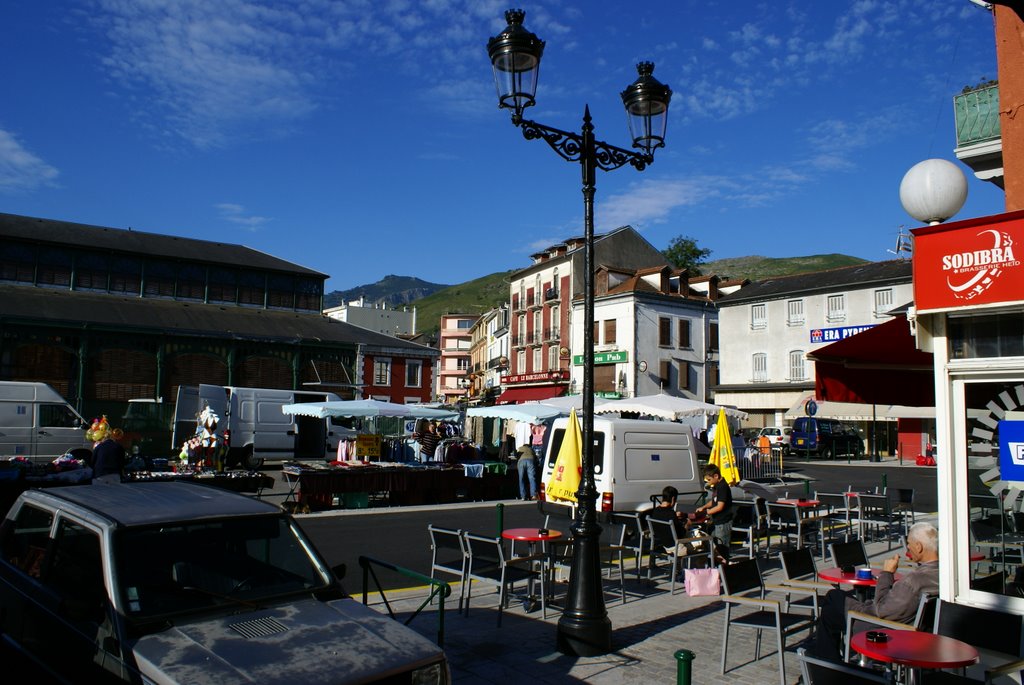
point(667, 407)
point(533, 412)
point(852, 411)
point(367, 409)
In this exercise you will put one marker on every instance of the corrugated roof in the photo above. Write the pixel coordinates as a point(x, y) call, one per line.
point(860, 275)
point(69, 234)
point(80, 310)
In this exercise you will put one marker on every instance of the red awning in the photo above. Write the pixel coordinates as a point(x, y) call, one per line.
point(529, 394)
point(881, 365)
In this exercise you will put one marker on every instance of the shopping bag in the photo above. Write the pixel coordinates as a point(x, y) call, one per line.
point(702, 582)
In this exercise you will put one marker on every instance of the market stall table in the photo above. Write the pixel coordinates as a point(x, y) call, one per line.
point(916, 650)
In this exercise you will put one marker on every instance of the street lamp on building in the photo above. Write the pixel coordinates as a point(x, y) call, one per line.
point(584, 628)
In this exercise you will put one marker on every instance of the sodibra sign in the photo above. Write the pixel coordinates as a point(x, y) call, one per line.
point(603, 358)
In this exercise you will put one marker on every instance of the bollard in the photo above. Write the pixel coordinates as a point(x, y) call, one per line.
point(684, 660)
point(885, 482)
point(500, 507)
point(807, 488)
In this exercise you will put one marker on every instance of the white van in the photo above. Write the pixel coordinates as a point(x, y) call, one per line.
point(635, 459)
point(36, 422)
point(259, 430)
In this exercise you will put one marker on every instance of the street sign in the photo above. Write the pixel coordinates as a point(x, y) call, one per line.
point(618, 357)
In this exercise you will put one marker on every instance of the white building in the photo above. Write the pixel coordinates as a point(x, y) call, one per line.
point(541, 297)
point(769, 327)
point(656, 330)
point(489, 354)
point(376, 317)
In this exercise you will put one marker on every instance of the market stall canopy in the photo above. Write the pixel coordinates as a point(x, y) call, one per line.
point(568, 402)
point(367, 408)
point(667, 407)
point(533, 393)
point(881, 365)
point(533, 412)
point(854, 411)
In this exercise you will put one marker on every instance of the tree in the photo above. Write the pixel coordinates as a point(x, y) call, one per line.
point(683, 253)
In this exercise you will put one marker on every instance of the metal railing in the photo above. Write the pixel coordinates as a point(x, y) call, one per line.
point(755, 465)
point(977, 115)
point(439, 589)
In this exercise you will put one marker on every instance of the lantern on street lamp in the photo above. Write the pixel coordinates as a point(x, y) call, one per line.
point(584, 628)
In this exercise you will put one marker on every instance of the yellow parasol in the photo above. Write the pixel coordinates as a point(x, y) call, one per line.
point(721, 451)
point(565, 480)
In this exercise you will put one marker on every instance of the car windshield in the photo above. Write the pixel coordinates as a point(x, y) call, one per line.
point(178, 568)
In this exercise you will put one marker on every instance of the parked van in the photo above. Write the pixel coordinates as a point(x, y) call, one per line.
point(824, 437)
point(36, 422)
point(254, 425)
point(635, 459)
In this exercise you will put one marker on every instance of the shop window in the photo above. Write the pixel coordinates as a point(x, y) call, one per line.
point(985, 337)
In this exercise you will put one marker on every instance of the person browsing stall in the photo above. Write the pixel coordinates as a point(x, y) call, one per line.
point(895, 600)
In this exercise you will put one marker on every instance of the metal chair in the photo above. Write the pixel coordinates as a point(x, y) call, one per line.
point(903, 507)
point(876, 515)
point(995, 634)
point(744, 587)
point(800, 572)
point(448, 554)
point(487, 564)
point(633, 535)
point(837, 513)
point(747, 521)
point(846, 554)
point(666, 544)
point(815, 671)
point(792, 525)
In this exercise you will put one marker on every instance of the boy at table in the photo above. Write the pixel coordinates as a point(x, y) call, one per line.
point(895, 600)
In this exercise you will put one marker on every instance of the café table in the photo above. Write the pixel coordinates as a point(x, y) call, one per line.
point(531, 536)
point(860, 585)
point(916, 650)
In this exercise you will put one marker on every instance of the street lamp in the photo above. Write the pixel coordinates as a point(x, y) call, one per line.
point(584, 628)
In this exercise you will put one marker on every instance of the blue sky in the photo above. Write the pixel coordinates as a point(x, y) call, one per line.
point(362, 138)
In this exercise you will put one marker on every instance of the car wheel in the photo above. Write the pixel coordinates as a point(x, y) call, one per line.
point(829, 452)
point(250, 462)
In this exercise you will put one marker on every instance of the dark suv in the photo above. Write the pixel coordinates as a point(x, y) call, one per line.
point(825, 437)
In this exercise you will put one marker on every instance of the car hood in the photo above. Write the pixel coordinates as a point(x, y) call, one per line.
point(306, 642)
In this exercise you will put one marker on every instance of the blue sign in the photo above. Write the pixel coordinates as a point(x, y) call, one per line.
point(1011, 450)
point(831, 335)
point(811, 407)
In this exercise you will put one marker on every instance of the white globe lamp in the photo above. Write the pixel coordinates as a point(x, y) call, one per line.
point(933, 190)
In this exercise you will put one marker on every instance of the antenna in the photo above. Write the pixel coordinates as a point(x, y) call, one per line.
point(904, 246)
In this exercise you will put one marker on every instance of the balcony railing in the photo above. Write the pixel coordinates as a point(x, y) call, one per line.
point(551, 334)
point(550, 294)
point(977, 115)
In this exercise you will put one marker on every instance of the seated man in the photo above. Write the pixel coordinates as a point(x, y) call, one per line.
point(895, 600)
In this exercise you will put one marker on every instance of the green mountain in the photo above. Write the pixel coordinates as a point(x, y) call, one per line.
point(393, 290)
point(472, 297)
point(482, 294)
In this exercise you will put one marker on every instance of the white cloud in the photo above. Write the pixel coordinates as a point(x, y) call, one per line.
point(651, 201)
point(236, 214)
point(20, 169)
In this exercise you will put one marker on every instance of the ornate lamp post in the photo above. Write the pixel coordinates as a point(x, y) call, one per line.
point(584, 628)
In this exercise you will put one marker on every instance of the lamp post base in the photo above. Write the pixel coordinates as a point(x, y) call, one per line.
point(580, 636)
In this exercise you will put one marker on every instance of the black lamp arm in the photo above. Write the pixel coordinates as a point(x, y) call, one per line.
point(569, 147)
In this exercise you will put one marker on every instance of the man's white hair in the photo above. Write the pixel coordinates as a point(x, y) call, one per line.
point(926, 534)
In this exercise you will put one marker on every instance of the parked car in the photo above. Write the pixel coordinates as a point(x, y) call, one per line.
point(779, 436)
point(827, 438)
point(749, 435)
point(166, 582)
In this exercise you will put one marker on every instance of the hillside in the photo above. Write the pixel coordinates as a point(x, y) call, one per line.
point(480, 295)
point(393, 290)
point(471, 297)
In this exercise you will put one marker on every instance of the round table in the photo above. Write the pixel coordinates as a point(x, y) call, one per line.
point(800, 502)
point(916, 650)
point(531, 536)
point(860, 585)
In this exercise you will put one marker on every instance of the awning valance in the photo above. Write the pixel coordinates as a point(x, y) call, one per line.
point(531, 393)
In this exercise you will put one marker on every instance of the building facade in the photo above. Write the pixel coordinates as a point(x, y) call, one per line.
point(541, 298)
point(455, 343)
point(768, 327)
point(376, 317)
point(106, 315)
point(653, 333)
point(489, 355)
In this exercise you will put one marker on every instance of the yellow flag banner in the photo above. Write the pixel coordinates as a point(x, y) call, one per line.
point(565, 480)
point(722, 455)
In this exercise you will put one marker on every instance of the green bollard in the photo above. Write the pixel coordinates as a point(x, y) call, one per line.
point(807, 488)
point(885, 482)
point(501, 518)
point(684, 659)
